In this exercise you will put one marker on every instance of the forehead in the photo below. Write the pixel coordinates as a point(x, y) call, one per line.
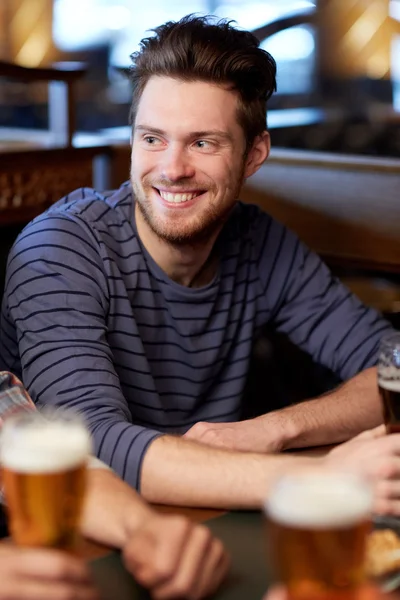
point(168, 103)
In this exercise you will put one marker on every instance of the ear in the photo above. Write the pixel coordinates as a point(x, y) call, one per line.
point(257, 154)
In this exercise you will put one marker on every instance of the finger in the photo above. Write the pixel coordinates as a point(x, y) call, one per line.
point(376, 432)
point(386, 506)
point(388, 442)
point(47, 564)
point(276, 593)
point(213, 572)
point(46, 590)
point(383, 468)
point(183, 583)
point(389, 489)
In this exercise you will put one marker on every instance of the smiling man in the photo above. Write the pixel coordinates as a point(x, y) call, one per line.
point(140, 307)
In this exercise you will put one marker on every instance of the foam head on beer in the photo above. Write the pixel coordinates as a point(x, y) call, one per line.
point(319, 500)
point(46, 446)
point(44, 477)
point(317, 526)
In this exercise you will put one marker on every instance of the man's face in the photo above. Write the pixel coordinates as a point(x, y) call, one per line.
point(188, 158)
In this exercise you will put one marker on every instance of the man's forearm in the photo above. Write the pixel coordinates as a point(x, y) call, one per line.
point(186, 473)
point(112, 510)
point(353, 407)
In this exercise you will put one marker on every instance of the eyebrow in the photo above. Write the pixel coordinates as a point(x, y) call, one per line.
point(193, 134)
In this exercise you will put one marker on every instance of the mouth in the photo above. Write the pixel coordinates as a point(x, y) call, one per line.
point(178, 197)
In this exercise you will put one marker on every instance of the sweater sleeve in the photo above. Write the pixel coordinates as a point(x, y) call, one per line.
point(313, 308)
point(56, 303)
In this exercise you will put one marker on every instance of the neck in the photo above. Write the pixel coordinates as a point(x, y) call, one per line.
point(191, 265)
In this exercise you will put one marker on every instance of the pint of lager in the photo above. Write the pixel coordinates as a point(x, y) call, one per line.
point(44, 474)
point(317, 525)
point(389, 381)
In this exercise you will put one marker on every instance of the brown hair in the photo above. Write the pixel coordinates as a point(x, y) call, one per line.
point(200, 48)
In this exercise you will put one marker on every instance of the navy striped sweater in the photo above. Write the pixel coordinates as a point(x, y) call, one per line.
point(89, 320)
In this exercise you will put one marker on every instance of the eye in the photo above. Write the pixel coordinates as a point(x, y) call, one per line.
point(204, 144)
point(150, 140)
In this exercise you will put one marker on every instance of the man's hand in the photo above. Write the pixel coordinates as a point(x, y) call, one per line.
point(45, 574)
point(254, 435)
point(175, 558)
point(376, 456)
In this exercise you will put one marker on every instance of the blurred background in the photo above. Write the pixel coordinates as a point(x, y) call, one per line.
point(338, 63)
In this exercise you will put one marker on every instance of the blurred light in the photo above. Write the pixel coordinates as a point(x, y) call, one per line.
point(117, 17)
point(33, 51)
point(291, 44)
point(251, 15)
point(394, 10)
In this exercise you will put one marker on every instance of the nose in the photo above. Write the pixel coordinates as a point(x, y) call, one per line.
point(177, 164)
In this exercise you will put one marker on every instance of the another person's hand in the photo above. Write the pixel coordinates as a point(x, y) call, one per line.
point(376, 456)
point(175, 558)
point(30, 574)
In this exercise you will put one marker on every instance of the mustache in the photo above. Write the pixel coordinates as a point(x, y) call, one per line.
point(183, 184)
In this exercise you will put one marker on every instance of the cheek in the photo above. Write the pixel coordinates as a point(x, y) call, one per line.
point(141, 162)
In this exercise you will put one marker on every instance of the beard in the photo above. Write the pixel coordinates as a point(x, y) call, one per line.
point(181, 230)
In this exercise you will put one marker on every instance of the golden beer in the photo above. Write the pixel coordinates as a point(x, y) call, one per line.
point(44, 477)
point(317, 526)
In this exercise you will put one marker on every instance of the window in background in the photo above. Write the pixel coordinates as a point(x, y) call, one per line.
point(395, 66)
point(121, 24)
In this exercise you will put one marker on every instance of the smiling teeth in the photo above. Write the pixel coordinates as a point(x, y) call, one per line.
point(169, 197)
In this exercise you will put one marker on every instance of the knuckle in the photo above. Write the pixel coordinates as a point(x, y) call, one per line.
point(204, 534)
point(162, 571)
point(382, 488)
point(182, 588)
point(181, 525)
point(218, 548)
point(382, 506)
point(61, 568)
point(67, 592)
point(199, 427)
point(387, 469)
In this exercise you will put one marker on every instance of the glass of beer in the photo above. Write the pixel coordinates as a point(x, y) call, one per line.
point(389, 381)
point(44, 474)
point(317, 526)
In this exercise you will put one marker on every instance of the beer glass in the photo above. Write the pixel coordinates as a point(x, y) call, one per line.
point(317, 526)
point(44, 475)
point(389, 381)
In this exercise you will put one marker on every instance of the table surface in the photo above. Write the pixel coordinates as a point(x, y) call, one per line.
point(248, 577)
point(91, 550)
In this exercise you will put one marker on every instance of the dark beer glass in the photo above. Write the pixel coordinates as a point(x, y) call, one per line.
point(389, 381)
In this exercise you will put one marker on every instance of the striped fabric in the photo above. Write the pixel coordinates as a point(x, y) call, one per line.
point(14, 399)
point(89, 320)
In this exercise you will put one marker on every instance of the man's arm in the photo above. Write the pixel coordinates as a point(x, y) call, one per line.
point(335, 417)
point(182, 472)
point(323, 318)
point(56, 305)
point(185, 473)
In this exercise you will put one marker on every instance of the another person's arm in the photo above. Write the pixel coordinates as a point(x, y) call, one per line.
point(171, 556)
